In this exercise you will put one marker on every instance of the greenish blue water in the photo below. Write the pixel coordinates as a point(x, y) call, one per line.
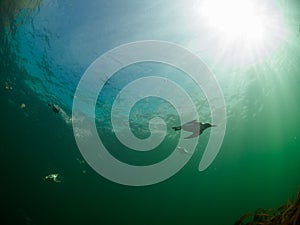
point(46, 47)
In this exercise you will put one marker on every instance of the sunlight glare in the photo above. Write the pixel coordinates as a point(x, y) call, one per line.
point(234, 18)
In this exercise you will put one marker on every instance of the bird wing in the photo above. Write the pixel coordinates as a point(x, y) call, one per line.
point(195, 134)
point(193, 121)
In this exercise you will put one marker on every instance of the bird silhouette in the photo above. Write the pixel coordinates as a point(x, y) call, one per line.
point(193, 126)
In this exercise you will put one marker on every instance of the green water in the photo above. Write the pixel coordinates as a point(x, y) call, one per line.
point(258, 164)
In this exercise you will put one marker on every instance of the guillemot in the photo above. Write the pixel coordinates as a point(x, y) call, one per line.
point(193, 126)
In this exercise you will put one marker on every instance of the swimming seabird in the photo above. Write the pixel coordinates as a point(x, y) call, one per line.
point(55, 108)
point(193, 126)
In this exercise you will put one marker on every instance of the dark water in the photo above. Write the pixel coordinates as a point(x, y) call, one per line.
point(46, 47)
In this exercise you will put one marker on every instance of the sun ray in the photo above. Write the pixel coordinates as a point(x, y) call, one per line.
point(242, 31)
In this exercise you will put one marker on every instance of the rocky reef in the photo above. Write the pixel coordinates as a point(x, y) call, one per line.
point(288, 214)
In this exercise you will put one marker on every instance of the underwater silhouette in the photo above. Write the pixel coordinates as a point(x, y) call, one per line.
point(55, 108)
point(193, 126)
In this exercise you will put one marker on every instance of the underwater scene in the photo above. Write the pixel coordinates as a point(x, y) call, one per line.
point(150, 112)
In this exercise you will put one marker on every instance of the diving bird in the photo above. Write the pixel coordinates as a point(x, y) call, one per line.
point(55, 108)
point(193, 126)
